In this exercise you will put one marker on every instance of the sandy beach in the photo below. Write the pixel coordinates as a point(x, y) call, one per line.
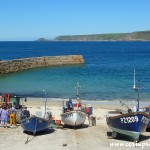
point(87, 137)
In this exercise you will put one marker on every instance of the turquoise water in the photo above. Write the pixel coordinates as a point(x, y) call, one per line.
point(106, 75)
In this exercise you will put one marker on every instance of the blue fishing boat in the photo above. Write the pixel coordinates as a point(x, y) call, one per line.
point(130, 124)
point(35, 124)
point(38, 122)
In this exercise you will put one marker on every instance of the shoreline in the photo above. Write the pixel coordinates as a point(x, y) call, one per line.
point(99, 103)
point(107, 104)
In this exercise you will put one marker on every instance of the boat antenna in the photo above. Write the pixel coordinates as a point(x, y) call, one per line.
point(78, 89)
point(123, 104)
point(138, 99)
point(134, 87)
point(45, 100)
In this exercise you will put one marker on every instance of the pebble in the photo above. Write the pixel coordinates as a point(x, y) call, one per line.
point(64, 144)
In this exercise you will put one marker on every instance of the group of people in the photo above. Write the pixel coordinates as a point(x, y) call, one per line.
point(8, 113)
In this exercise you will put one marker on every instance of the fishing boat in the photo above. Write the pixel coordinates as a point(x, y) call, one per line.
point(73, 118)
point(128, 123)
point(35, 124)
point(38, 122)
point(131, 124)
point(76, 116)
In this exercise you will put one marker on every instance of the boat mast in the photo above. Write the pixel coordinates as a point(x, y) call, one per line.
point(45, 100)
point(138, 99)
point(78, 90)
point(134, 80)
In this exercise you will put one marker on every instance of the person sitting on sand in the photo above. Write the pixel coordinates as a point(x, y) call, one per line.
point(25, 113)
point(4, 117)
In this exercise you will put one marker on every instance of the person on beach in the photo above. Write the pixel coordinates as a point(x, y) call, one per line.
point(25, 113)
point(4, 117)
point(89, 113)
point(0, 114)
point(70, 105)
point(87, 110)
point(12, 109)
point(79, 102)
point(65, 108)
point(12, 112)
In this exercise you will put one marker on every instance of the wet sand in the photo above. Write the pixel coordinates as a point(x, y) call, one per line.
point(83, 138)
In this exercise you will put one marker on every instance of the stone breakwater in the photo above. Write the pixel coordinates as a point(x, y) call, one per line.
point(29, 63)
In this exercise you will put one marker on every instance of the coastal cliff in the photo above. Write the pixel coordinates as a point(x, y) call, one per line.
point(133, 36)
point(29, 63)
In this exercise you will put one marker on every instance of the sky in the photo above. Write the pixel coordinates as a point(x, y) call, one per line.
point(26, 20)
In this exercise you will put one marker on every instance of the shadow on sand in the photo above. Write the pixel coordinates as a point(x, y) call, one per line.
point(121, 137)
point(31, 136)
point(65, 127)
point(47, 131)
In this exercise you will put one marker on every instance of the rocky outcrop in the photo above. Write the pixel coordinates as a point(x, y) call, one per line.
point(29, 63)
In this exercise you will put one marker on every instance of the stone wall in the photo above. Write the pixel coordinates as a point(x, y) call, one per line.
point(28, 63)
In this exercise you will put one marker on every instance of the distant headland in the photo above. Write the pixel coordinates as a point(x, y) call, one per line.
point(133, 36)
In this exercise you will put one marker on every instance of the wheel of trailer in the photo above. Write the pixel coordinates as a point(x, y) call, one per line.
point(18, 116)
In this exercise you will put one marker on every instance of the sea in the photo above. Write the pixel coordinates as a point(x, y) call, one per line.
point(107, 74)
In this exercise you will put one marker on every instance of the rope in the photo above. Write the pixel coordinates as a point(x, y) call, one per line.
point(35, 127)
point(27, 141)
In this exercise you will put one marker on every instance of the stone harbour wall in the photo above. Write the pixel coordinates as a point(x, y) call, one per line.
point(29, 63)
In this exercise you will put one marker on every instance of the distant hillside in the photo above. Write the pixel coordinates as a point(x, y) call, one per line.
point(134, 36)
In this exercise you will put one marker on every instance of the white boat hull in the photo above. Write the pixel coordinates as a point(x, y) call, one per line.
point(73, 118)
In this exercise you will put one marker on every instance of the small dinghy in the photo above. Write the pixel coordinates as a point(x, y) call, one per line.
point(36, 124)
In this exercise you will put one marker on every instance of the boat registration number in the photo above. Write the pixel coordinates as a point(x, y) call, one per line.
point(80, 115)
point(129, 119)
point(68, 115)
point(145, 120)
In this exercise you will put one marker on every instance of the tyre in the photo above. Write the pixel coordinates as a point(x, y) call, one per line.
point(18, 116)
